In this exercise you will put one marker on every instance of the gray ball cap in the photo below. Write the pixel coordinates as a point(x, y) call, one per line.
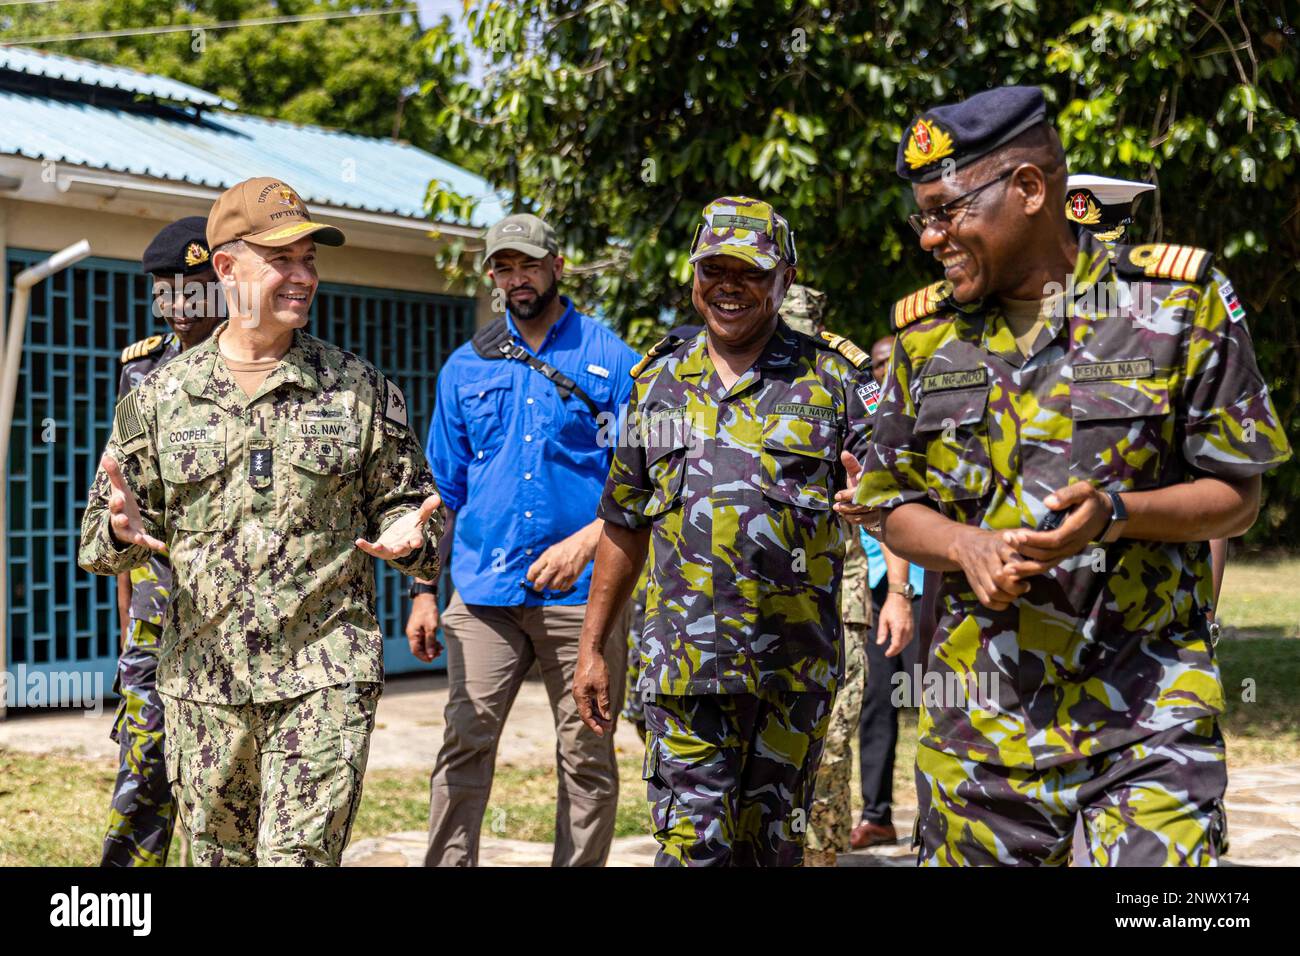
point(522, 232)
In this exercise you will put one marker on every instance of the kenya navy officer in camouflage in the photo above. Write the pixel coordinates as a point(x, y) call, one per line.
point(736, 442)
point(271, 466)
point(1044, 379)
point(142, 811)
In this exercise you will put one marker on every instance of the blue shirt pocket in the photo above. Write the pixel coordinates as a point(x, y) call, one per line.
point(486, 406)
point(580, 429)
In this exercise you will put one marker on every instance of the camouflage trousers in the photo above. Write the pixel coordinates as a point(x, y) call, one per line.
point(831, 816)
point(730, 776)
point(272, 784)
point(1155, 802)
point(142, 812)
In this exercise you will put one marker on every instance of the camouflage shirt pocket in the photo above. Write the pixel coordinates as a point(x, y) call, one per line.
point(957, 464)
point(321, 477)
point(666, 468)
point(195, 487)
point(1122, 429)
point(797, 461)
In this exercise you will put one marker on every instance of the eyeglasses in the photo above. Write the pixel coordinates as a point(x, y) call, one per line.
point(942, 215)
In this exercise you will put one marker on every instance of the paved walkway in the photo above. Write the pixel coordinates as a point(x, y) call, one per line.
point(1263, 802)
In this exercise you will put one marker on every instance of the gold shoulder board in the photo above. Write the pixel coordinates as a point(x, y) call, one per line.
point(660, 348)
point(1163, 260)
point(840, 344)
point(142, 348)
point(921, 303)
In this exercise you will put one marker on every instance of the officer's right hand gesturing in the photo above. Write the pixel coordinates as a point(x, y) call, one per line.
point(124, 519)
point(983, 557)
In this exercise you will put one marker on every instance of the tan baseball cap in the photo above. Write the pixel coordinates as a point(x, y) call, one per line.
point(522, 232)
point(267, 212)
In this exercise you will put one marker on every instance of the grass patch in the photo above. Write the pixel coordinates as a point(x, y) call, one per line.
point(53, 809)
point(1261, 599)
point(522, 805)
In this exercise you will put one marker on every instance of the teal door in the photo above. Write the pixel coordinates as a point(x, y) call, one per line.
point(62, 619)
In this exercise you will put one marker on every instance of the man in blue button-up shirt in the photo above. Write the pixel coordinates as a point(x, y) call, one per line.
point(519, 450)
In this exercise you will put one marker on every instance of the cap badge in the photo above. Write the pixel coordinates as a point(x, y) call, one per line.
point(513, 227)
point(288, 198)
point(195, 254)
point(1081, 209)
point(926, 142)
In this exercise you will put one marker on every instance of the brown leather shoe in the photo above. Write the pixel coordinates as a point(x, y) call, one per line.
point(867, 834)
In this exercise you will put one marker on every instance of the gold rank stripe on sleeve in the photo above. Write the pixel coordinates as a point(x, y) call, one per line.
point(840, 344)
point(921, 303)
point(1161, 260)
point(141, 349)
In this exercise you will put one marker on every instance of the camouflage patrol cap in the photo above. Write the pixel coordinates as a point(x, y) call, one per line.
point(802, 309)
point(748, 229)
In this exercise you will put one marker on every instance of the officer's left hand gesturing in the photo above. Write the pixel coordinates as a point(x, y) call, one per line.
point(404, 535)
point(1044, 550)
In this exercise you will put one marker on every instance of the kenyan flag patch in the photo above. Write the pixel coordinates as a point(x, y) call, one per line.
point(1230, 302)
point(870, 396)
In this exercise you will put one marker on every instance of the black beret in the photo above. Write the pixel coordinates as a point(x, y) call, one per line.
point(956, 134)
point(180, 248)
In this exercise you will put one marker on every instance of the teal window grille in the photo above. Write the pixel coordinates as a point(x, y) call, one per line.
point(62, 618)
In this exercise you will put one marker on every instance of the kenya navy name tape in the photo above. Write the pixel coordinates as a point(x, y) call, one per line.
point(806, 411)
point(1113, 371)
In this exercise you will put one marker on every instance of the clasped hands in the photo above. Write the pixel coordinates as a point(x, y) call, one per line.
point(997, 563)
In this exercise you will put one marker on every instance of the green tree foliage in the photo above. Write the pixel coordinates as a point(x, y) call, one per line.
point(619, 120)
point(355, 74)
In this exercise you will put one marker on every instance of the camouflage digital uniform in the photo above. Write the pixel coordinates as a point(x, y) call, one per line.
point(142, 811)
point(271, 661)
point(1102, 686)
point(741, 649)
point(831, 818)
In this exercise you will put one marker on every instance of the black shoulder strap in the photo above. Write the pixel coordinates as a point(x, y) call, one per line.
point(494, 341)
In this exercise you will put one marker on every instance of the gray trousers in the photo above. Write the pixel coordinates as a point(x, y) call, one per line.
point(489, 652)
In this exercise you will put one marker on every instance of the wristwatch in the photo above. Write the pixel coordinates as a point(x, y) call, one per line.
point(419, 587)
point(904, 589)
point(1114, 530)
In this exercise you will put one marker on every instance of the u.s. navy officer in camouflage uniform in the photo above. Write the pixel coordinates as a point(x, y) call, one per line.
point(142, 811)
point(737, 441)
point(272, 466)
point(1044, 376)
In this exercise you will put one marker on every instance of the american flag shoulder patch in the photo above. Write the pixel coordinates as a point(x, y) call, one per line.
point(128, 425)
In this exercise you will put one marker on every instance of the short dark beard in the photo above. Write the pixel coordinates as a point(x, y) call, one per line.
point(528, 312)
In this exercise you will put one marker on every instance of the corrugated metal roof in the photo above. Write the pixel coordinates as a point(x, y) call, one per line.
point(218, 149)
point(89, 73)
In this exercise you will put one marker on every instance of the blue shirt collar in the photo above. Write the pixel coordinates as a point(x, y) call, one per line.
point(553, 332)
